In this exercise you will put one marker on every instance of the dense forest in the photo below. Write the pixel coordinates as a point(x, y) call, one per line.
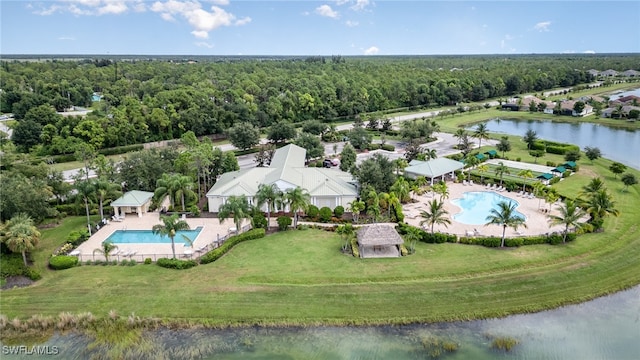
point(150, 100)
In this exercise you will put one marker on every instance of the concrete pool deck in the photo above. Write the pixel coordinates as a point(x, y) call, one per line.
point(537, 221)
point(211, 231)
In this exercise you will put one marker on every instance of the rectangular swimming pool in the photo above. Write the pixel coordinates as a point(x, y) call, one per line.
point(148, 237)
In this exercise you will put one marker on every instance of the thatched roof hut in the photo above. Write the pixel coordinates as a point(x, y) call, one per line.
point(379, 240)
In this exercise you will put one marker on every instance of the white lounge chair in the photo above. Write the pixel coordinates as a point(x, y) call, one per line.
point(470, 233)
point(464, 182)
point(488, 186)
point(471, 182)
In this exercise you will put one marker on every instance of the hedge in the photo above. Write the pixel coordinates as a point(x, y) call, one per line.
point(492, 241)
point(13, 265)
point(121, 149)
point(427, 237)
point(176, 263)
point(388, 147)
point(215, 254)
point(61, 262)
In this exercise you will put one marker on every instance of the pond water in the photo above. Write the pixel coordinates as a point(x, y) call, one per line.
point(604, 328)
point(621, 145)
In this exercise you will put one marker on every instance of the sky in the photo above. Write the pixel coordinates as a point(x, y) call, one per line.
point(305, 27)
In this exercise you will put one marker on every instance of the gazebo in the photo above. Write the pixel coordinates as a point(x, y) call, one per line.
point(433, 168)
point(134, 201)
point(379, 241)
point(559, 170)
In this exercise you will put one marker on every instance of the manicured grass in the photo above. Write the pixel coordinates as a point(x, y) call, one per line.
point(300, 277)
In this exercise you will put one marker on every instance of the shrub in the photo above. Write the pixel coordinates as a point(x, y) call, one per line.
point(32, 274)
point(147, 261)
point(76, 238)
point(176, 263)
point(554, 180)
point(354, 247)
point(215, 254)
point(259, 221)
point(538, 145)
point(513, 242)
point(12, 265)
point(325, 214)
point(534, 240)
point(554, 239)
point(312, 212)
point(283, 222)
point(551, 163)
point(194, 210)
point(403, 250)
point(388, 147)
point(437, 238)
point(62, 262)
point(373, 146)
point(338, 211)
point(120, 150)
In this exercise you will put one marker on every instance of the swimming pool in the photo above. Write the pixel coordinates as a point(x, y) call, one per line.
point(476, 206)
point(148, 237)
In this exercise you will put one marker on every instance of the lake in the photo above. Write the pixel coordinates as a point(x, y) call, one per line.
point(617, 144)
point(604, 328)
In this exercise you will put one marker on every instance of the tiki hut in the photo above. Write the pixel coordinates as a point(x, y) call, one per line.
point(378, 241)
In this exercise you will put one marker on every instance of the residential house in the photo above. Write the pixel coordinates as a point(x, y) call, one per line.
point(327, 187)
point(609, 73)
point(568, 105)
point(630, 73)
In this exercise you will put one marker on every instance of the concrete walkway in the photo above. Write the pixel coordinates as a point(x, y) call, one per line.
point(521, 165)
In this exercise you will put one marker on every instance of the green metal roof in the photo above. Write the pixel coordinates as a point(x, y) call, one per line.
point(545, 176)
point(133, 198)
point(571, 164)
point(434, 168)
point(491, 152)
point(560, 169)
point(481, 156)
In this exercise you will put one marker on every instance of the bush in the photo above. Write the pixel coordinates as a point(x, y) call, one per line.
point(438, 238)
point(534, 240)
point(373, 146)
point(513, 242)
point(62, 262)
point(554, 239)
point(551, 163)
point(538, 145)
point(121, 149)
point(354, 247)
point(176, 263)
point(215, 254)
point(325, 214)
point(388, 147)
point(554, 180)
point(283, 222)
point(76, 238)
point(312, 212)
point(338, 211)
point(147, 261)
point(259, 221)
point(12, 265)
point(71, 209)
point(194, 210)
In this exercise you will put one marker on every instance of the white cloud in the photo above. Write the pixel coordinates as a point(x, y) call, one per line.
point(91, 7)
point(509, 37)
point(201, 20)
point(542, 26)
point(351, 23)
point(569, 52)
point(115, 7)
point(326, 10)
point(502, 44)
point(372, 51)
point(204, 44)
point(220, 2)
point(67, 38)
point(341, 2)
point(360, 5)
point(589, 52)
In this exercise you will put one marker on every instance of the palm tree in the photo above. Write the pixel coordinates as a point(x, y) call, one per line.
point(355, 207)
point(500, 170)
point(530, 137)
point(538, 191)
point(412, 235)
point(373, 204)
point(393, 202)
point(237, 207)
point(183, 188)
point(435, 215)
point(20, 235)
point(401, 188)
point(599, 205)
point(441, 189)
point(165, 188)
point(106, 248)
point(460, 133)
point(346, 232)
point(551, 197)
point(570, 215)
point(171, 225)
point(298, 199)
point(106, 190)
point(482, 169)
point(526, 174)
point(268, 194)
point(505, 217)
point(86, 191)
point(470, 162)
point(481, 133)
point(429, 154)
point(595, 185)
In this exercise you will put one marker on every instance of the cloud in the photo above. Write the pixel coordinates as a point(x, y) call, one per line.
point(589, 52)
point(89, 7)
point(542, 26)
point(203, 44)
point(341, 2)
point(351, 23)
point(220, 2)
point(372, 51)
point(360, 5)
point(326, 10)
point(67, 38)
point(509, 37)
point(201, 20)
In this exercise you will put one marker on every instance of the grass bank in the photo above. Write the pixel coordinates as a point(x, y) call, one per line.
point(301, 278)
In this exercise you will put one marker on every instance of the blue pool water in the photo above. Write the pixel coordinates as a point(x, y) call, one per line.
point(476, 206)
point(148, 237)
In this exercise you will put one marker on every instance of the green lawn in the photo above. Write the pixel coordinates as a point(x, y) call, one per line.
point(300, 277)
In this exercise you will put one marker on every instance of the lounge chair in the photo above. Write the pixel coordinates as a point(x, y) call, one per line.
point(476, 232)
point(518, 232)
point(464, 182)
point(488, 186)
point(470, 233)
point(471, 182)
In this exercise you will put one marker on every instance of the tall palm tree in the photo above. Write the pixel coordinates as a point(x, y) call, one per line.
point(436, 214)
point(401, 188)
point(165, 188)
point(526, 174)
point(430, 154)
point(460, 133)
point(470, 161)
point(482, 169)
point(505, 216)
point(570, 215)
point(237, 207)
point(538, 191)
point(442, 190)
point(268, 194)
point(298, 200)
point(551, 197)
point(355, 207)
point(530, 137)
point(20, 235)
point(86, 191)
point(481, 133)
point(106, 248)
point(373, 204)
point(106, 190)
point(500, 170)
point(183, 189)
point(599, 205)
point(393, 202)
point(169, 227)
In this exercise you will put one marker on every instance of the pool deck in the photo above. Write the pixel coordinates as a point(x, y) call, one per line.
point(211, 231)
point(537, 221)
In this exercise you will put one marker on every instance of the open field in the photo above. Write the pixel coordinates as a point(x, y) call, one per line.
point(300, 277)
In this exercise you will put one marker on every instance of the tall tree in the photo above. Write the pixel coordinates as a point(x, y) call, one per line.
point(504, 145)
point(617, 168)
point(184, 189)
point(482, 132)
point(442, 190)
point(237, 207)
point(355, 207)
point(436, 214)
point(169, 227)
point(526, 174)
point(628, 179)
point(500, 170)
point(86, 191)
point(599, 205)
point(244, 135)
point(20, 235)
point(106, 190)
point(312, 144)
point(347, 157)
point(401, 188)
point(592, 153)
point(298, 199)
point(269, 195)
point(373, 204)
point(570, 215)
point(505, 216)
